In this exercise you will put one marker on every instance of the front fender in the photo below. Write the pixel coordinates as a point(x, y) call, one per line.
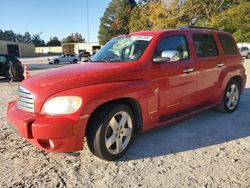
point(95, 95)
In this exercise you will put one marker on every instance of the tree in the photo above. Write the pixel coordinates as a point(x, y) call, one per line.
point(73, 38)
point(27, 38)
point(115, 20)
point(37, 41)
point(8, 35)
point(17, 37)
point(235, 20)
point(54, 41)
point(154, 15)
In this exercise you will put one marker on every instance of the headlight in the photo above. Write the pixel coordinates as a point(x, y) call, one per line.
point(62, 105)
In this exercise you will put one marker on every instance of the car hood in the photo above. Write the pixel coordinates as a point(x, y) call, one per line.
point(79, 75)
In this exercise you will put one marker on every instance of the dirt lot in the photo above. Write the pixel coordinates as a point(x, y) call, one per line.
point(208, 150)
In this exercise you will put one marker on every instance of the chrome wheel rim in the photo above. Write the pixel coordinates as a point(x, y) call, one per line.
point(118, 132)
point(232, 97)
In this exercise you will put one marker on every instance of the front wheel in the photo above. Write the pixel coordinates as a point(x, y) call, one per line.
point(111, 132)
point(231, 97)
point(56, 62)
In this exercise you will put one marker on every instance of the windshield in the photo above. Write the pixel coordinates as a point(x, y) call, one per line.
point(122, 49)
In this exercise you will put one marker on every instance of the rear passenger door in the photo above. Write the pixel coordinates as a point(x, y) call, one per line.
point(209, 66)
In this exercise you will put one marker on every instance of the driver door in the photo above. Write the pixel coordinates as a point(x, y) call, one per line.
point(175, 79)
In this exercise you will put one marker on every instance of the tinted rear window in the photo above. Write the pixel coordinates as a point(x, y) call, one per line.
point(205, 45)
point(228, 44)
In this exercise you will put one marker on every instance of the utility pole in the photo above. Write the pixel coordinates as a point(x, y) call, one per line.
point(88, 24)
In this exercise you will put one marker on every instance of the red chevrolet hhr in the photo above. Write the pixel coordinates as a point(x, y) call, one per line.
point(134, 83)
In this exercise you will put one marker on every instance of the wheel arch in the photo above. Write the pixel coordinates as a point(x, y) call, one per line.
point(239, 80)
point(132, 103)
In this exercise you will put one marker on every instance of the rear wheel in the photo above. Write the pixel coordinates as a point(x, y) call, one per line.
point(231, 97)
point(75, 61)
point(111, 132)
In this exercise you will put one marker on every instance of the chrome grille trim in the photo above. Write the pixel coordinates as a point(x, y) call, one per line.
point(25, 100)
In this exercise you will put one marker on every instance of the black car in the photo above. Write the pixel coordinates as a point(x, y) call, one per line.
point(11, 68)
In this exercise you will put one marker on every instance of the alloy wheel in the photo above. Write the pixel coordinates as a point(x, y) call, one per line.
point(118, 132)
point(232, 96)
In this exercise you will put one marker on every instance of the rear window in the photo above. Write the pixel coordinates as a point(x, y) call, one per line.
point(205, 45)
point(228, 45)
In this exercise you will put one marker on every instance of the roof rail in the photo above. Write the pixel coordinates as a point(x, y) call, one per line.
point(195, 27)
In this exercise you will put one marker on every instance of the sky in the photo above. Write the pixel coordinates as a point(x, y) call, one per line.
point(52, 17)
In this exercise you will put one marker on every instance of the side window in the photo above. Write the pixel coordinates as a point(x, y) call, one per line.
point(244, 49)
point(205, 45)
point(2, 59)
point(228, 44)
point(174, 47)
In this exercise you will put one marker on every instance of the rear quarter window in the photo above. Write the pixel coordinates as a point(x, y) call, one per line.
point(228, 44)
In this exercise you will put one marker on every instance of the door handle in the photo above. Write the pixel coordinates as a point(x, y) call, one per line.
point(188, 70)
point(220, 65)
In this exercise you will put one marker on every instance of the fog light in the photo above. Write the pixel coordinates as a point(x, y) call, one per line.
point(51, 144)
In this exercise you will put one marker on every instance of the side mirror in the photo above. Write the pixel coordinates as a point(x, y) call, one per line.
point(166, 56)
point(173, 55)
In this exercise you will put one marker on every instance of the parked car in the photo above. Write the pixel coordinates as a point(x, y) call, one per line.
point(245, 52)
point(84, 54)
point(11, 68)
point(65, 58)
point(134, 83)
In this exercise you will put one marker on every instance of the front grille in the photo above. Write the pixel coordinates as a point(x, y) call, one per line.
point(25, 100)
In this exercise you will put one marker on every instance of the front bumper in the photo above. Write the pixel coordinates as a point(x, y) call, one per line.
point(50, 133)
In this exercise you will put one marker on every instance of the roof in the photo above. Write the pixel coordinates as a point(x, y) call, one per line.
point(158, 32)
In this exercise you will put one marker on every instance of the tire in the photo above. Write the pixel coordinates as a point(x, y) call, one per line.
point(248, 56)
point(231, 93)
point(106, 135)
point(56, 62)
point(75, 61)
point(15, 74)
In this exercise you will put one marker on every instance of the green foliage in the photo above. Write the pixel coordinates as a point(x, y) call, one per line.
point(54, 41)
point(115, 20)
point(9, 35)
point(155, 15)
point(37, 41)
point(229, 15)
point(73, 38)
point(235, 20)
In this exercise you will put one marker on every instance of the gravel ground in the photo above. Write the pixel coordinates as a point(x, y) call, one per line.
point(208, 150)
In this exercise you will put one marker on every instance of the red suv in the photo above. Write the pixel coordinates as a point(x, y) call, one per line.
point(134, 83)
